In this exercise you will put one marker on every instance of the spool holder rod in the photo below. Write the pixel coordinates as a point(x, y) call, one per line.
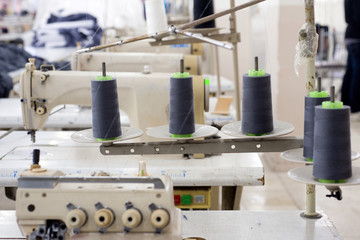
point(332, 94)
point(256, 64)
point(104, 69)
point(181, 65)
point(319, 84)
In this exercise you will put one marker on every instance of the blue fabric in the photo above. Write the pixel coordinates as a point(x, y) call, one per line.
point(53, 37)
point(350, 91)
point(352, 18)
point(13, 58)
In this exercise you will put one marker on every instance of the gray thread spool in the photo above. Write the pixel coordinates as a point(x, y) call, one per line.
point(182, 120)
point(105, 108)
point(332, 144)
point(257, 115)
point(309, 116)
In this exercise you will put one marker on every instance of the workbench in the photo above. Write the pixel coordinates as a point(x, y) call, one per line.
point(59, 152)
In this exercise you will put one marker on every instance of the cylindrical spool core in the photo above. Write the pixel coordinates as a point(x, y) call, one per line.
point(257, 117)
point(332, 145)
point(311, 101)
point(182, 120)
point(105, 109)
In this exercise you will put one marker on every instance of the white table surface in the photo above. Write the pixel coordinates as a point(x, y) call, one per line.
point(219, 225)
point(59, 152)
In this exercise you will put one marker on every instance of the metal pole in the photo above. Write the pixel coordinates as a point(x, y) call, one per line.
point(218, 76)
point(310, 211)
point(235, 62)
point(310, 68)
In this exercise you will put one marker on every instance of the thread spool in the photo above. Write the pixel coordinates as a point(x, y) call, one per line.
point(182, 120)
point(315, 98)
point(257, 117)
point(156, 20)
point(332, 144)
point(203, 8)
point(105, 108)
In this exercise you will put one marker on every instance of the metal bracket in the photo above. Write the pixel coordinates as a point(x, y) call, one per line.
point(334, 192)
point(212, 146)
point(225, 37)
point(50, 182)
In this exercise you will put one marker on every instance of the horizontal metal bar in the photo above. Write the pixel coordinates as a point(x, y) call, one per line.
point(225, 37)
point(50, 182)
point(214, 146)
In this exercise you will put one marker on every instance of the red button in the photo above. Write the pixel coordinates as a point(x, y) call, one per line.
point(177, 199)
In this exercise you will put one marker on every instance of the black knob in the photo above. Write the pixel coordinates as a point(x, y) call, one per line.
point(36, 156)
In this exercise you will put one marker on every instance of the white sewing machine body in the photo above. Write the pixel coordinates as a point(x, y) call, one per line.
point(76, 206)
point(144, 97)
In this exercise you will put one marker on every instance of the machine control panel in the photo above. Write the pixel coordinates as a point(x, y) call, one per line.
point(59, 206)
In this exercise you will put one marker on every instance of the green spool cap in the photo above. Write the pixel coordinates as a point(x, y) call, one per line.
point(256, 134)
point(181, 75)
point(207, 81)
point(181, 135)
point(316, 94)
point(332, 105)
point(106, 139)
point(103, 78)
point(309, 159)
point(332, 181)
point(254, 73)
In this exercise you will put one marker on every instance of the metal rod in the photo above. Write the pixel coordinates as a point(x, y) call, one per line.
point(181, 65)
point(310, 211)
point(256, 64)
point(310, 66)
point(332, 94)
point(319, 84)
point(220, 14)
point(235, 64)
point(104, 69)
point(205, 39)
point(143, 37)
point(218, 76)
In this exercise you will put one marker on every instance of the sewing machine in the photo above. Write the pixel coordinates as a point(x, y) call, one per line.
point(144, 97)
point(136, 62)
point(50, 204)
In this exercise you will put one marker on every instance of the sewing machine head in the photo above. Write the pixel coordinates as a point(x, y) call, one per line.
point(50, 205)
point(144, 97)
